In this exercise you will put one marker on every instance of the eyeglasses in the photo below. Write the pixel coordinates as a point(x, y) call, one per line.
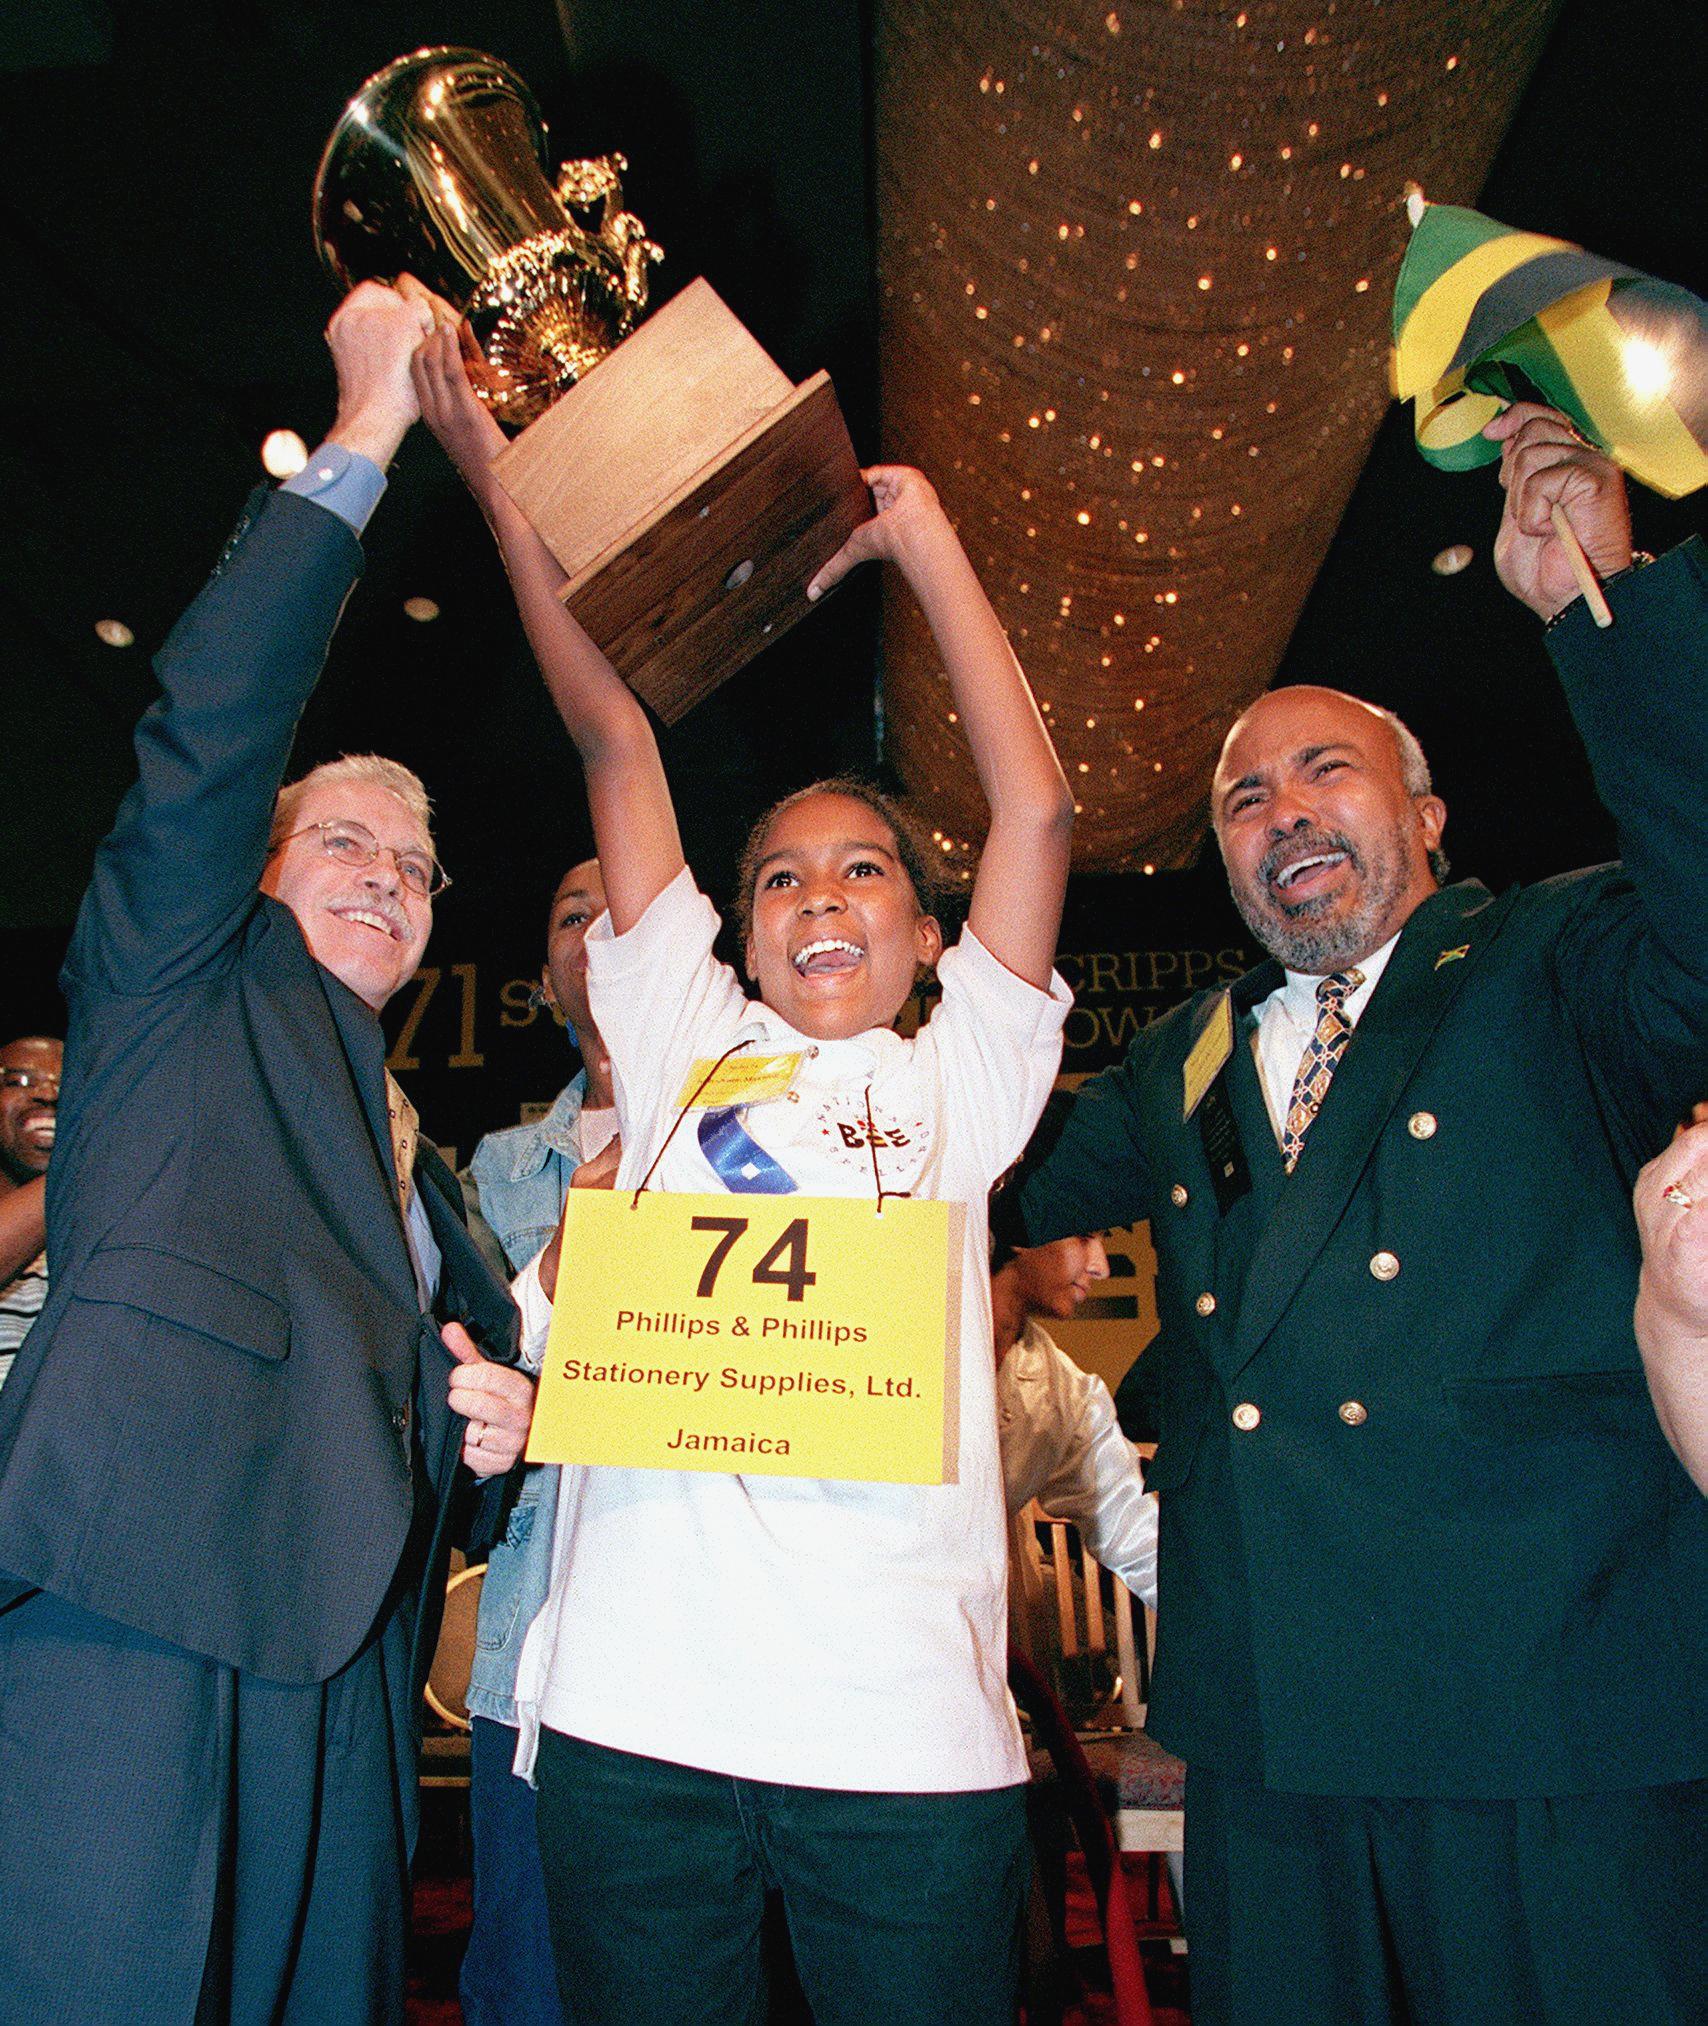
point(43, 1082)
point(355, 845)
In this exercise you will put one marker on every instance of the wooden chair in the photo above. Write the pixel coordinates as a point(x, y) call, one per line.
point(445, 1740)
point(1091, 1651)
point(1083, 1807)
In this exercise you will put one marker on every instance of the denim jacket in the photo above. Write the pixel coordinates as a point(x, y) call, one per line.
point(519, 1178)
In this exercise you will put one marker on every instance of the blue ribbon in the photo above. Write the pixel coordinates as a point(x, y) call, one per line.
point(739, 1161)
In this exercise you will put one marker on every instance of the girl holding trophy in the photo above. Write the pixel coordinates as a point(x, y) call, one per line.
point(742, 1683)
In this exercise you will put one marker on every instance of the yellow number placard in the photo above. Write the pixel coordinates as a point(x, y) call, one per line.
point(781, 1336)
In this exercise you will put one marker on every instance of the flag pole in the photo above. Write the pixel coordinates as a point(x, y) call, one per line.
point(1582, 569)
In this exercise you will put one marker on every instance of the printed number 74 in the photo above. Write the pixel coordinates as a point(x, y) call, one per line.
point(791, 1247)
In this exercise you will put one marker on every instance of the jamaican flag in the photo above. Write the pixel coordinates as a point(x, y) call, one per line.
point(1625, 356)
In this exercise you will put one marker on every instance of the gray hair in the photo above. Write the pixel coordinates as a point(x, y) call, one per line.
point(372, 769)
point(1416, 780)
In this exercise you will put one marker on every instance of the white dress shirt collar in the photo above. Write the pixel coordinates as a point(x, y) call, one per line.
point(1300, 991)
point(1287, 1019)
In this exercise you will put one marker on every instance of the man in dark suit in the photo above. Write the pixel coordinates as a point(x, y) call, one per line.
point(229, 1450)
point(1434, 1591)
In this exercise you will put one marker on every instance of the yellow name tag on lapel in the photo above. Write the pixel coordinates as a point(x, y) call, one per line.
point(775, 1336)
point(1209, 1052)
point(742, 1079)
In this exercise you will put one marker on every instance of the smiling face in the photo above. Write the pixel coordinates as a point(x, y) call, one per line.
point(576, 906)
point(28, 1117)
point(837, 936)
point(1326, 849)
point(1054, 1280)
point(361, 922)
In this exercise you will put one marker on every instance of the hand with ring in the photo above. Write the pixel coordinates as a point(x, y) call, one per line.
point(496, 1400)
point(1672, 1292)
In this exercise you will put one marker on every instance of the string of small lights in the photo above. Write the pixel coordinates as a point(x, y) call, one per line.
point(1136, 265)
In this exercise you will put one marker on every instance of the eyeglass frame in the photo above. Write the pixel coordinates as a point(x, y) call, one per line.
point(30, 1079)
point(351, 823)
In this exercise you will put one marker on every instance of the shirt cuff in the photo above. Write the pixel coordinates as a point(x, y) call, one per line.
point(536, 1309)
point(343, 481)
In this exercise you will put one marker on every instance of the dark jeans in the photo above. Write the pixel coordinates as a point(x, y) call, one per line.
point(1583, 1910)
point(508, 1976)
point(902, 1909)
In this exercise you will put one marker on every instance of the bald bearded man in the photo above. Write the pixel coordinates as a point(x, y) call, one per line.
point(1433, 1638)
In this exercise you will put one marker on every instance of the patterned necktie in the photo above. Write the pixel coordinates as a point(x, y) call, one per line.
point(1319, 1061)
point(405, 1122)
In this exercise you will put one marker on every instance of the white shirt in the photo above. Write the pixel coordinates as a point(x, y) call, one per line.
point(595, 1130)
point(813, 1632)
point(1287, 1019)
point(424, 1254)
point(22, 1299)
point(1062, 1445)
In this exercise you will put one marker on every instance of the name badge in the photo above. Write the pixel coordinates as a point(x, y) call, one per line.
point(739, 1079)
point(804, 1337)
point(1209, 1052)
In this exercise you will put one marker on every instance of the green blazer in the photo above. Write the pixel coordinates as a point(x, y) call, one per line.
point(1421, 1535)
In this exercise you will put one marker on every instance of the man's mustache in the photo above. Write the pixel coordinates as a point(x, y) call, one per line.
point(1299, 844)
point(373, 904)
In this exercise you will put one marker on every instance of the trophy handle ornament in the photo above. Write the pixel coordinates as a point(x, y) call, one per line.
point(593, 186)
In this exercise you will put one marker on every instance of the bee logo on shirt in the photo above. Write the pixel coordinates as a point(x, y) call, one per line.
point(899, 1141)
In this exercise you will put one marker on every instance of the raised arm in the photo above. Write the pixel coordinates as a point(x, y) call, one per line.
point(1022, 876)
point(1545, 463)
point(1633, 966)
point(634, 819)
point(176, 879)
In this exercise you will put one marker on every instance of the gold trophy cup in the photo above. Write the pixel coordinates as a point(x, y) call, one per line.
point(686, 486)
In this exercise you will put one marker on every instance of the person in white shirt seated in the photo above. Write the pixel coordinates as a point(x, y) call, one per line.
point(1061, 1442)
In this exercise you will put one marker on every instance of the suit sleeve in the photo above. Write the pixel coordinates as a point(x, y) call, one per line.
point(175, 881)
point(1633, 967)
point(1086, 1168)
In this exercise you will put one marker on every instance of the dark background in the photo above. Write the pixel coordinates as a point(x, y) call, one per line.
point(164, 310)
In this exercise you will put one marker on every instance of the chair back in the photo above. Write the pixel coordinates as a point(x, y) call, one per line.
point(447, 1685)
point(1088, 1650)
point(1053, 1731)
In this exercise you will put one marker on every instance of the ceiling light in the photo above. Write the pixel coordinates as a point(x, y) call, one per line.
point(283, 453)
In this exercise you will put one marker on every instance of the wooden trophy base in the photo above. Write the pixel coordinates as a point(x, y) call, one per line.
point(689, 490)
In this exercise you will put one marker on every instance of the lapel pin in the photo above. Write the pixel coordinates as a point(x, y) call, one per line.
point(1452, 956)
